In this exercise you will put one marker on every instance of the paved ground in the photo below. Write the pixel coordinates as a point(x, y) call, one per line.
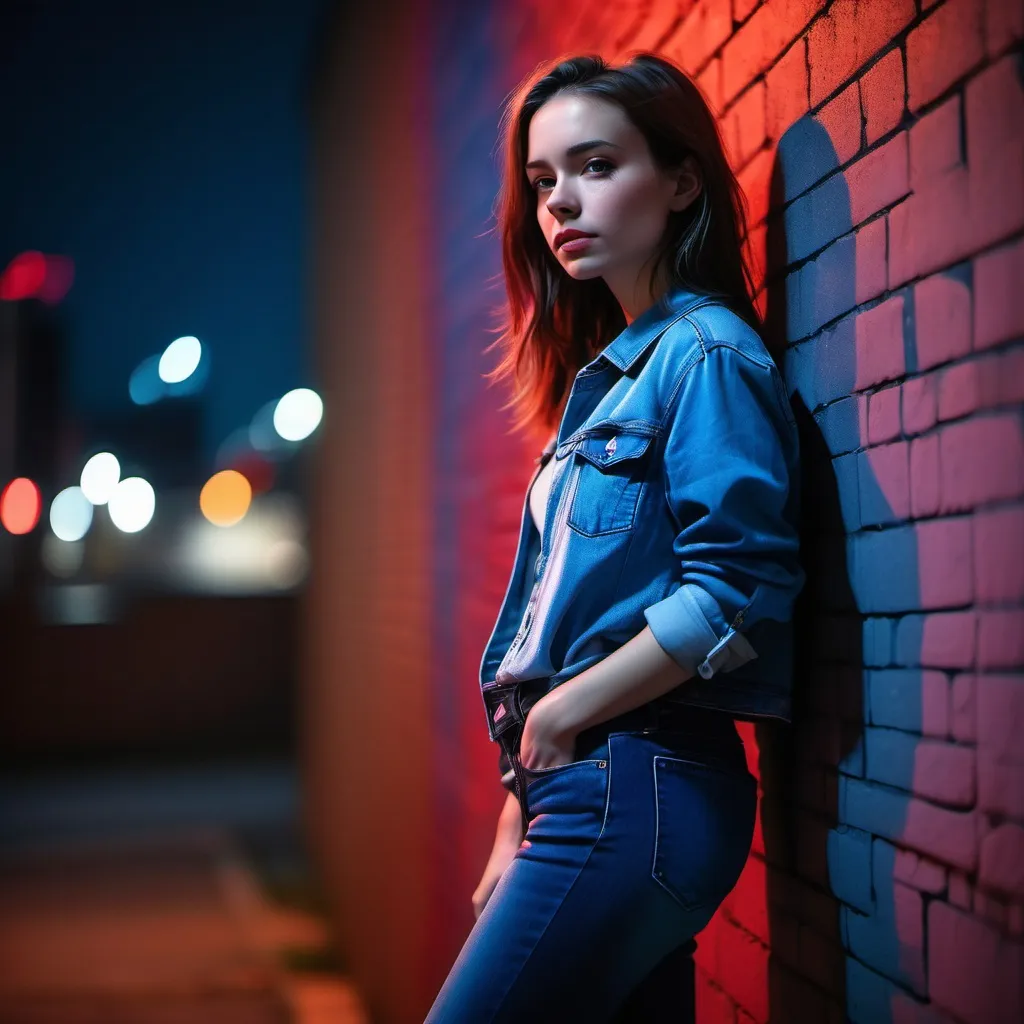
point(154, 897)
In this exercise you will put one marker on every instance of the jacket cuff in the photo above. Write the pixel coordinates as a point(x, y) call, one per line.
point(684, 632)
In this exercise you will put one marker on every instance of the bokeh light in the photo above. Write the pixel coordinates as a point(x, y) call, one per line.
point(70, 514)
point(100, 476)
point(34, 275)
point(24, 276)
point(145, 385)
point(132, 504)
point(60, 272)
point(225, 498)
point(287, 561)
point(265, 552)
point(180, 360)
point(298, 414)
point(20, 506)
point(257, 469)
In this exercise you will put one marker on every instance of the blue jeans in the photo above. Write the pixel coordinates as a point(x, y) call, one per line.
point(630, 850)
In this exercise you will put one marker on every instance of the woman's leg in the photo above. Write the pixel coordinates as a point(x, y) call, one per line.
point(580, 919)
point(667, 994)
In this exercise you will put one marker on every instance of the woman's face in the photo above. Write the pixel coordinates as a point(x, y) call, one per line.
point(593, 172)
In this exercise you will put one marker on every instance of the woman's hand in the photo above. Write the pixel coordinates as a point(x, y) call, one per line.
point(548, 740)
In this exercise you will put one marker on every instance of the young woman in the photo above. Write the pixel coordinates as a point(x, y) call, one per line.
point(650, 599)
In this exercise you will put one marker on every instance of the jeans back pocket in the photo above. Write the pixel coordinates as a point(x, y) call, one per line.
point(703, 830)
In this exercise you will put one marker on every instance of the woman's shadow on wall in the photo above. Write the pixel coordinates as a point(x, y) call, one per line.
point(799, 763)
point(825, 881)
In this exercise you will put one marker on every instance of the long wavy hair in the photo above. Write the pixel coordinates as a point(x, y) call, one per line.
point(551, 324)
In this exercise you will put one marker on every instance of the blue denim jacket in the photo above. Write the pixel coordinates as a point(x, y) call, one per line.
point(673, 504)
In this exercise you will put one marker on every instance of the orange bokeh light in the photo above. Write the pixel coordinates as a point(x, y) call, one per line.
point(20, 506)
point(225, 497)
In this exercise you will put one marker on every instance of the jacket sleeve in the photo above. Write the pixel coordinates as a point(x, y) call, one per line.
point(730, 456)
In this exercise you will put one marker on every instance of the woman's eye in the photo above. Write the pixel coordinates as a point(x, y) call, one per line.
point(537, 182)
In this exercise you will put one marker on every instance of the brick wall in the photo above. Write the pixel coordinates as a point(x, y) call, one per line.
point(880, 147)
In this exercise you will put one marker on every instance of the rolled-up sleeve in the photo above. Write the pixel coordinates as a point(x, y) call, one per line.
point(730, 456)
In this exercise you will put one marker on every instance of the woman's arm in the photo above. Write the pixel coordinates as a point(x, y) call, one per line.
point(633, 674)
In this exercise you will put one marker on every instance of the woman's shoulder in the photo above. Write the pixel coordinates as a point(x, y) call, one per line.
point(714, 325)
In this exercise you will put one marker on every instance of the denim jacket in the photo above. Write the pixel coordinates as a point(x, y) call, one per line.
point(673, 504)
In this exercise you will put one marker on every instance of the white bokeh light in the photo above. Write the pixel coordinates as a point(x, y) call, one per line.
point(264, 553)
point(132, 504)
point(99, 477)
point(287, 561)
point(180, 360)
point(298, 414)
point(71, 514)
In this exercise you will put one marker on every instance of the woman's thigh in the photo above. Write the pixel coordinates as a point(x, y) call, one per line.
point(628, 853)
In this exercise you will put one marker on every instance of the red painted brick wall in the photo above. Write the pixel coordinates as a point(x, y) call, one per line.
point(879, 147)
point(879, 144)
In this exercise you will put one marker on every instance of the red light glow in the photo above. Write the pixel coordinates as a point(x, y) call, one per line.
point(24, 276)
point(20, 506)
point(33, 275)
point(258, 470)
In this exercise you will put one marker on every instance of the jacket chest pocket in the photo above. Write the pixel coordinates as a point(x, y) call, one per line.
point(612, 470)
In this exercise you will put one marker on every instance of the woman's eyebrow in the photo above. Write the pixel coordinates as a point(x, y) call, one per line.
point(576, 148)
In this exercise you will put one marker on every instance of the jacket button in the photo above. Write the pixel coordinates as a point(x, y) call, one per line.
point(610, 447)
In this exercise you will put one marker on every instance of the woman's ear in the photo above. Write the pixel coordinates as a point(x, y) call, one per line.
point(688, 184)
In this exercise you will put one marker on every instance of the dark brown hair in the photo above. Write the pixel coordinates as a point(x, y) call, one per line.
point(551, 324)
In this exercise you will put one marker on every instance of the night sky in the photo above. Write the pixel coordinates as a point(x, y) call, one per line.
point(163, 148)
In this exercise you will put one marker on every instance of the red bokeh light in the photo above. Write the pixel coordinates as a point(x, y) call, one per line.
point(256, 469)
point(33, 275)
point(24, 276)
point(20, 506)
point(60, 272)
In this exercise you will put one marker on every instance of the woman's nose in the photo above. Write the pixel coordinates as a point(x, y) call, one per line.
point(560, 199)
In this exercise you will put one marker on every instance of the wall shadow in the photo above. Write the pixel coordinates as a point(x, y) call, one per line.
point(829, 886)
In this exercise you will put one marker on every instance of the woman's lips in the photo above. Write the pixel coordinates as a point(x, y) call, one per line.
point(576, 244)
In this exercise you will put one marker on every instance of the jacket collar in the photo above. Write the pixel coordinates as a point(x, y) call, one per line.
point(624, 350)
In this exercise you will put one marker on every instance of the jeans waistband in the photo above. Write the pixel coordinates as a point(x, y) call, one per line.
point(693, 732)
point(701, 730)
point(508, 706)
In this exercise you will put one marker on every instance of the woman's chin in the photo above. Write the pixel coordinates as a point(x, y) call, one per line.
point(582, 269)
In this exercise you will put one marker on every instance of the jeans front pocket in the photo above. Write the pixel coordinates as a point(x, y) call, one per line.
point(612, 469)
point(569, 797)
point(704, 828)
